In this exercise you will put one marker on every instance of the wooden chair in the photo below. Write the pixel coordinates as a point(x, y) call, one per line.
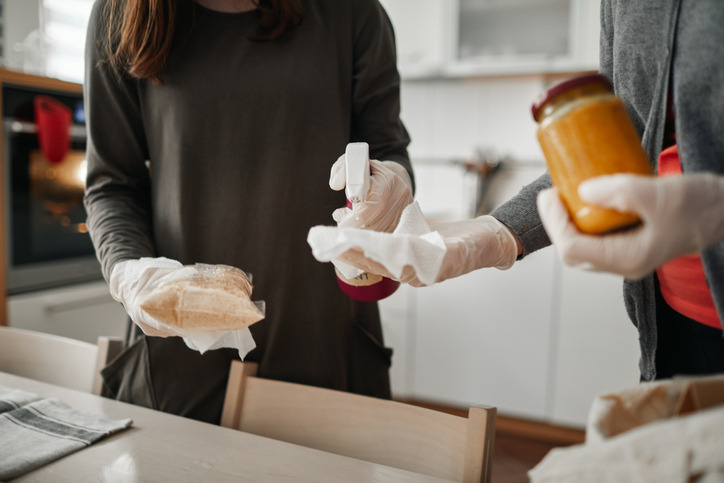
point(382, 431)
point(56, 360)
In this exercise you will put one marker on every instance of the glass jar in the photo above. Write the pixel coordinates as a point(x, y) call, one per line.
point(584, 132)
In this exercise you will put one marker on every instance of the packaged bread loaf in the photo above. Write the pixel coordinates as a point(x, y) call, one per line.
point(205, 297)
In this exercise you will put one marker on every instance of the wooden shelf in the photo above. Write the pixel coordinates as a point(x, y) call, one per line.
point(23, 79)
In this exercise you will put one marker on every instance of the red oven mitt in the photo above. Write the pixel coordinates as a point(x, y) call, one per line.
point(53, 119)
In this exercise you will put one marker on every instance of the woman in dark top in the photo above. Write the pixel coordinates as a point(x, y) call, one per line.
point(213, 126)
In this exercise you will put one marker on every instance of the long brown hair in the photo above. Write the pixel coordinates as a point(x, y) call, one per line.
point(141, 34)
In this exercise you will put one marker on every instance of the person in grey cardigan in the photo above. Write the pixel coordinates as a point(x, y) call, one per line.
point(665, 59)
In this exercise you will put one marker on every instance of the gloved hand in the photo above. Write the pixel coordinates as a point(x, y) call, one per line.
point(390, 192)
point(470, 245)
point(680, 215)
point(132, 281)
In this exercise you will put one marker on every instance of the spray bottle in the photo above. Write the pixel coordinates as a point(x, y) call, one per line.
point(365, 287)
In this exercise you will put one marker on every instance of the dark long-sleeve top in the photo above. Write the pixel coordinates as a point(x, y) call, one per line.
point(228, 162)
point(649, 48)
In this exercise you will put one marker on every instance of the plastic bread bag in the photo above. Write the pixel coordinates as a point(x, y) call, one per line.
point(204, 297)
point(209, 306)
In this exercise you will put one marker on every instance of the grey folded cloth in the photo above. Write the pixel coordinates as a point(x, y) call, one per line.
point(35, 431)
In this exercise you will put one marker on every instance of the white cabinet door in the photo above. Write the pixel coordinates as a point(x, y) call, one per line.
point(596, 346)
point(84, 312)
point(539, 341)
point(397, 313)
point(459, 38)
point(421, 32)
point(483, 338)
point(491, 37)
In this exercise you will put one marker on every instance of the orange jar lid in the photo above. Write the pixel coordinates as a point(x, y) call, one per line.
point(565, 86)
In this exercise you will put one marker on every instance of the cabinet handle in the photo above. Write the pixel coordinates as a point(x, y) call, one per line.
point(79, 303)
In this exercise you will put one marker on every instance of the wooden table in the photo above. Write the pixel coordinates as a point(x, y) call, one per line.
point(161, 447)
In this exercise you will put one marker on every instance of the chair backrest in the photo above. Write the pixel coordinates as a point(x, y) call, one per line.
point(56, 360)
point(383, 431)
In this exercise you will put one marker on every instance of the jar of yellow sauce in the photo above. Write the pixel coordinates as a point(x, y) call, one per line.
point(584, 132)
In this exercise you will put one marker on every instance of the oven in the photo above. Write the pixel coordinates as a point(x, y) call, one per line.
point(47, 242)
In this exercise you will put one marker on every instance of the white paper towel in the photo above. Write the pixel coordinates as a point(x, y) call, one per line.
point(205, 340)
point(412, 243)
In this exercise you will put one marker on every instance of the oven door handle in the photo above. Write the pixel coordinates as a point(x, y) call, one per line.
point(16, 126)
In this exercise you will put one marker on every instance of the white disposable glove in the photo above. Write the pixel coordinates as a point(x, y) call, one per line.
point(680, 215)
point(132, 281)
point(470, 245)
point(390, 192)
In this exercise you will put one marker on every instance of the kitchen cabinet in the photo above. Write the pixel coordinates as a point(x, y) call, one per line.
point(83, 311)
point(461, 38)
point(397, 313)
point(539, 341)
point(421, 32)
point(483, 338)
point(596, 348)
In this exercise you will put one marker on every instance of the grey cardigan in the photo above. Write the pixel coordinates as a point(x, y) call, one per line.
point(649, 48)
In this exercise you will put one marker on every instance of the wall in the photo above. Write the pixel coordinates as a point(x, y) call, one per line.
point(21, 17)
point(46, 37)
point(455, 117)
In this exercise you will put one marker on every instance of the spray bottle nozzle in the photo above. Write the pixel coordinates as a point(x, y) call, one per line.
point(357, 169)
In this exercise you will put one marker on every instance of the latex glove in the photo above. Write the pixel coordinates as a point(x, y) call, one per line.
point(470, 245)
point(680, 215)
point(390, 192)
point(132, 281)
